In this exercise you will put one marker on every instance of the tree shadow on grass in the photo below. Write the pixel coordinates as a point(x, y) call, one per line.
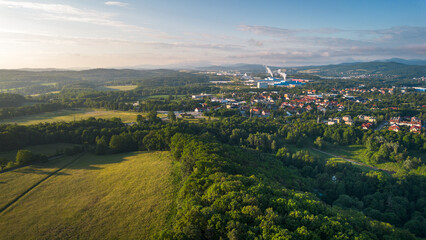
point(87, 161)
point(92, 162)
point(38, 171)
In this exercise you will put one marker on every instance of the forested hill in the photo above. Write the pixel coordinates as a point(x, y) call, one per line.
point(93, 75)
point(39, 82)
point(253, 68)
point(11, 100)
point(368, 68)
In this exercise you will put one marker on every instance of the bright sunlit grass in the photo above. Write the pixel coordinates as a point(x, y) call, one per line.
point(68, 115)
point(122, 196)
point(117, 88)
point(15, 182)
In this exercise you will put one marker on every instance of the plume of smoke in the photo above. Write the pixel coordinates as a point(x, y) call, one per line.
point(283, 74)
point(269, 71)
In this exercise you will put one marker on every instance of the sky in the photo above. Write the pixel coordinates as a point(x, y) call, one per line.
point(179, 33)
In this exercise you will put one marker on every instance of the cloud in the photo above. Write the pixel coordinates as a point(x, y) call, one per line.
point(62, 12)
point(118, 4)
point(195, 45)
point(328, 45)
point(254, 43)
point(392, 36)
point(275, 31)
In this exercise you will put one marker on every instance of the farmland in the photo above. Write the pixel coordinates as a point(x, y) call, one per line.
point(126, 196)
point(68, 115)
point(117, 88)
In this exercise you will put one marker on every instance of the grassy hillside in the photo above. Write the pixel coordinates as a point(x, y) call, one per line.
point(15, 182)
point(68, 115)
point(124, 196)
point(39, 82)
point(117, 88)
point(386, 68)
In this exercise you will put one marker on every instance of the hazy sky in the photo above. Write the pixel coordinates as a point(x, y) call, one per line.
point(91, 33)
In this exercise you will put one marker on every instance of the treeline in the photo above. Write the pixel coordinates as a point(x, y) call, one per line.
point(85, 95)
point(12, 112)
point(23, 157)
point(258, 133)
point(168, 104)
point(26, 157)
point(223, 112)
point(11, 100)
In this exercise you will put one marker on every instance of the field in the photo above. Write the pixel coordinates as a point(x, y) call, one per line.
point(17, 181)
point(38, 94)
point(122, 196)
point(117, 88)
point(357, 153)
point(353, 152)
point(68, 115)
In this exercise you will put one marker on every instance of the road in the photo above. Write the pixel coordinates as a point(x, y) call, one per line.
point(352, 161)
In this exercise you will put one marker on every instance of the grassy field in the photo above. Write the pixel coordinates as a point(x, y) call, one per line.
point(354, 152)
point(357, 153)
point(117, 88)
point(293, 148)
point(68, 115)
point(38, 94)
point(122, 196)
point(17, 181)
point(351, 152)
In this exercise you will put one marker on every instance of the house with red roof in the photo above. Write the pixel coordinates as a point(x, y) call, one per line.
point(415, 129)
point(394, 128)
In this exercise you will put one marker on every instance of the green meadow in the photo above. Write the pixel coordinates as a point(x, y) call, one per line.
point(117, 88)
point(121, 196)
point(13, 183)
point(68, 115)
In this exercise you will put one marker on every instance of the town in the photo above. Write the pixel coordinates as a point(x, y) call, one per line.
point(335, 106)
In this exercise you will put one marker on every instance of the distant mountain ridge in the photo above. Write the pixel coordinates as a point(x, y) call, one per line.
point(243, 67)
point(405, 61)
point(376, 68)
point(390, 67)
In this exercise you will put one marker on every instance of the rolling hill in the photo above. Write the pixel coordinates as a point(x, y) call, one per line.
point(378, 69)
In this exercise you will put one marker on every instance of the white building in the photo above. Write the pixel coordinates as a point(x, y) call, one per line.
point(262, 85)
